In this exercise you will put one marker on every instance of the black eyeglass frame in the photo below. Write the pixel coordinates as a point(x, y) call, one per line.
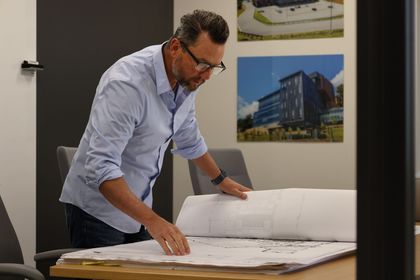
point(204, 66)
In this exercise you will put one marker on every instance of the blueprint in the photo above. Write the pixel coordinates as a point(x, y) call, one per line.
point(300, 214)
point(278, 230)
point(219, 252)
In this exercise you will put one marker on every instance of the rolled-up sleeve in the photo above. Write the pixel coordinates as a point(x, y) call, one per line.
point(113, 119)
point(189, 142)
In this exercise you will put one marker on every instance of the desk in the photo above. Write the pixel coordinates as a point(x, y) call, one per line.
point(343, 268)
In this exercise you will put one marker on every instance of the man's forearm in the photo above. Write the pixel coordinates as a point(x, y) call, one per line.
point(208, 165)
point(118, 193)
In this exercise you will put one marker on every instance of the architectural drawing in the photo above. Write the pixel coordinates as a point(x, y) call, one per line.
point(270, 232)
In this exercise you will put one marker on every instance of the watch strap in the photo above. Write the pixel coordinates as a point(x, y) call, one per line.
point(216, 181)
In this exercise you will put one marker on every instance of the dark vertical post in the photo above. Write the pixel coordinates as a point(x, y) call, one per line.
point(385, 139)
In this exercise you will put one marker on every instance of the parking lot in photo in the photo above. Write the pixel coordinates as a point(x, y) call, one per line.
point(294, 19)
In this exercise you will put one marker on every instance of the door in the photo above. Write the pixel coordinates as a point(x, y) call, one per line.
point(76, 42)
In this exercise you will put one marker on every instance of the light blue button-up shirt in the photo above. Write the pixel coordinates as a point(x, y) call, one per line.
point(134, 115)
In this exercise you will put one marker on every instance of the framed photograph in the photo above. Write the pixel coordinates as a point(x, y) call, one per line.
point(289, 19)
point(291, 98)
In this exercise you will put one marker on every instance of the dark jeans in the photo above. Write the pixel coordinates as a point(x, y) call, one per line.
point(87, 231)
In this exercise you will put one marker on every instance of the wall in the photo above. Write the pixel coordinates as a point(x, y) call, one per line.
point(273, 165)
point(17, 121)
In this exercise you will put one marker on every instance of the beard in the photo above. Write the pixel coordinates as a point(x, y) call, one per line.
point(192, 83)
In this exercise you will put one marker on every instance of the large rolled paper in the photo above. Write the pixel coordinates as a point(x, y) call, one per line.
point(300, 214)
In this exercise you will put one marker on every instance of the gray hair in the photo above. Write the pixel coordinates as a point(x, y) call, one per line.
point(192, 25)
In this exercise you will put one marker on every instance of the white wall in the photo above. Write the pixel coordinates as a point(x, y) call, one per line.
point(273, 165)
point(17, 119)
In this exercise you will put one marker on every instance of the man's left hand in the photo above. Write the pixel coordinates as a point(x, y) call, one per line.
point(233, 188)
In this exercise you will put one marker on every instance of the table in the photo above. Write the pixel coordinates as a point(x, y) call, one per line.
point(343, 268)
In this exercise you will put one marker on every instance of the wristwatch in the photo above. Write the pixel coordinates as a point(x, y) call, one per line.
point(216, 181)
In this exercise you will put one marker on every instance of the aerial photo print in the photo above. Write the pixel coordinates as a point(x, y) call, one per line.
point(289, 19)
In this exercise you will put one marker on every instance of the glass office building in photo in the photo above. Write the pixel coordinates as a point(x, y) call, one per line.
point(304, 106)
point(297, 103)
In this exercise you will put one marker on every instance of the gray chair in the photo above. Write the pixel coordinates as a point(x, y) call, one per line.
point(11, 258)
point(64, 157)
point(230, 160)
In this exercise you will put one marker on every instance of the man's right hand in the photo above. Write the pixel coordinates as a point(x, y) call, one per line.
point(169, 237)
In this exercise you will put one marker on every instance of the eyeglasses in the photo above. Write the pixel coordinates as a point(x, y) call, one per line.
point(204, 66)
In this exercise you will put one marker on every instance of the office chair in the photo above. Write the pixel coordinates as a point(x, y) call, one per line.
point(11, 258)
point(230, 160)
point(64, 157)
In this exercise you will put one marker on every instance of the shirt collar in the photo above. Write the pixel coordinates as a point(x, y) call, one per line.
point(162, 82)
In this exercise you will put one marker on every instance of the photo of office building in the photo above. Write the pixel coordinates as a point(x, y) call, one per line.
point(305, 106)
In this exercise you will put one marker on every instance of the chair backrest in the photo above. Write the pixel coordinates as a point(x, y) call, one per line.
point(64, 157)
point(230, 160)
point(10, 250)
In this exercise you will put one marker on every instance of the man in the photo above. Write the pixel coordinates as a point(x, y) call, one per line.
point(142, 102)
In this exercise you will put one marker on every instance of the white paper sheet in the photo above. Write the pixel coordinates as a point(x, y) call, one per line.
point(300, 214)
